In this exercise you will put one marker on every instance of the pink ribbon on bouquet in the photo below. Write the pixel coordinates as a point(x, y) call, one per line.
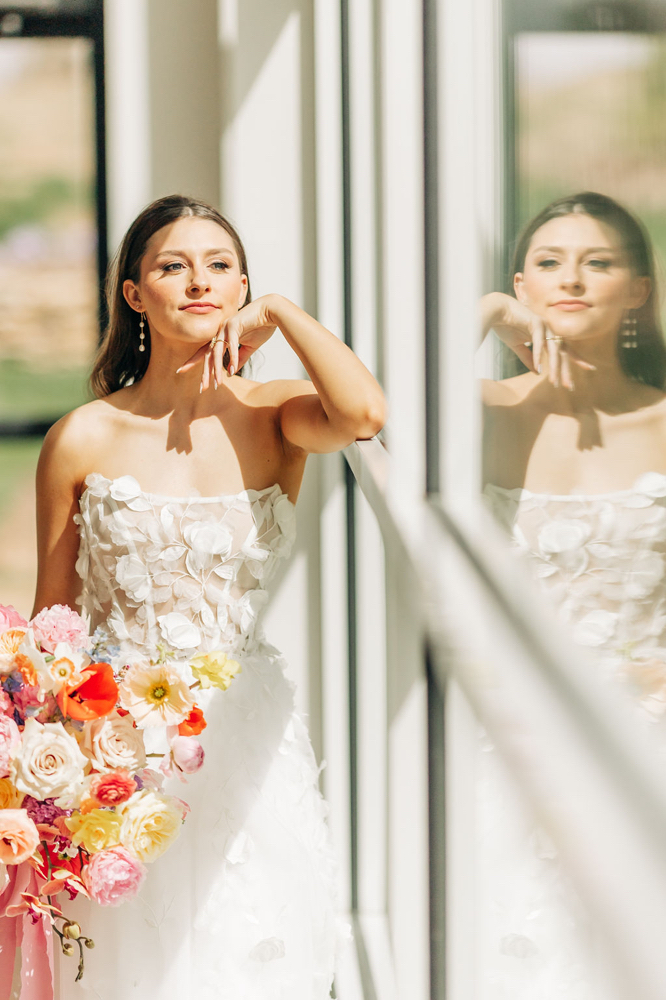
point(21, 931)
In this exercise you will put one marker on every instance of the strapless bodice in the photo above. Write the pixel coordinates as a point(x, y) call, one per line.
point(601, 559)
point(185, 573)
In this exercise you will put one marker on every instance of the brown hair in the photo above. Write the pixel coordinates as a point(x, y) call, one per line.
point(119, 360)
point(646, 362)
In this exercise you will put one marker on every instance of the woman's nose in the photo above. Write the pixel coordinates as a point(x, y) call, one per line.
point(199, 281)
point(571, 278)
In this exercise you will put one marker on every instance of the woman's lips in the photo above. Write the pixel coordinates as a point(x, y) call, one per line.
point(199, 307)
point(571, 306)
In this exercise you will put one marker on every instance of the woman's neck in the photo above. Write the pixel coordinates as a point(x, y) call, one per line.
point(163, 390)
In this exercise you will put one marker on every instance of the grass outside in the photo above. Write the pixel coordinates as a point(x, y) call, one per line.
point(18, 458)
point(27, 392)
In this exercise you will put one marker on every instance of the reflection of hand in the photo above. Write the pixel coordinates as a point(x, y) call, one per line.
point(530, 338)
point(240, 336)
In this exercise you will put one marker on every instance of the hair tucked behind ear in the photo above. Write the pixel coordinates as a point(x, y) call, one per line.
point(119, 361)
point(647, 361)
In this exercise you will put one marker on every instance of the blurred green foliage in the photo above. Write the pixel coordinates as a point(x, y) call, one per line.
point(27, 391)
point(46, 196)
point(18, 458)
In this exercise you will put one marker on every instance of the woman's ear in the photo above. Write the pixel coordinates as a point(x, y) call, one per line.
point(243, 292)
point(132, 295)
point(519, 287)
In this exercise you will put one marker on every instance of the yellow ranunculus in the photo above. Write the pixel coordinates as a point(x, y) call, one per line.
point(151, 822)
point(214, 669)
point(96, 829)
point(10, 797)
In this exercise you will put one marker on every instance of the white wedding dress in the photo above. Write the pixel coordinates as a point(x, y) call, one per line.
point(601, 561)
point(242, 906)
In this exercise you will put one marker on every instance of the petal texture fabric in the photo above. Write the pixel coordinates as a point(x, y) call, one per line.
point(242, 907)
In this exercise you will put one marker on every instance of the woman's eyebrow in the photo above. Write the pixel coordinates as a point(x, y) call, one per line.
point(587, 249)
point(184, 253)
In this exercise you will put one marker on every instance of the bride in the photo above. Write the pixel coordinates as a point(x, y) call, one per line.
point(575, 461)
point(163, 507)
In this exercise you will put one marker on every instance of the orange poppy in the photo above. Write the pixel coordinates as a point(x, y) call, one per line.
point(193, 724)
point(96, 695)
point(11, 640)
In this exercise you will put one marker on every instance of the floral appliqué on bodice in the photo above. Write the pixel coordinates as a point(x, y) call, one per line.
point(182, 573)
point(601, 560)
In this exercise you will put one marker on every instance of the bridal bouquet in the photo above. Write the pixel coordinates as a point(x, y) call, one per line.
point(80, 810)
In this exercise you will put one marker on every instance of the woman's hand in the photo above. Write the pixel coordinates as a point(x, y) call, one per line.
point(530, 338)
point(240, 336)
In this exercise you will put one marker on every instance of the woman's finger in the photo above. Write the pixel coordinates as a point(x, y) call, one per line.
point(538, 343)
point(553, 361)
point(567, 378)
point(205, 375)
point(194, 360)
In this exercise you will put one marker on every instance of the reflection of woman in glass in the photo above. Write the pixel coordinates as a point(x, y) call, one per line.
point(576, 470)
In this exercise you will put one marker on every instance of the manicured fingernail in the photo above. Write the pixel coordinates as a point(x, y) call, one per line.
point(539, 369)
point(200, 388)
point(232, 370)
point(179, 370)
point(215, 381)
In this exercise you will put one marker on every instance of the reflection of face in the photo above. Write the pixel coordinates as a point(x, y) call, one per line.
point(578, 279)
point(190, 280)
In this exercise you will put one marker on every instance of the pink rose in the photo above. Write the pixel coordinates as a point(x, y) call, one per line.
point(10, 618)
point(113, 875)
point(6, 703)
point(186, 756)
point(19, 837)
point(9, 738)
point(29, 696)
point(59, 624)
point(113, 788)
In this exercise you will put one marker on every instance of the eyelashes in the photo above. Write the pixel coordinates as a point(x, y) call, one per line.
point(175, 267)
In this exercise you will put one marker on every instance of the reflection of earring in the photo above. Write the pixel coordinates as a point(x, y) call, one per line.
point(142, 335)
point(629, 331)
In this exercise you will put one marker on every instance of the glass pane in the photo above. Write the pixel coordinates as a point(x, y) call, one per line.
point(48, 279)
point(591, 109)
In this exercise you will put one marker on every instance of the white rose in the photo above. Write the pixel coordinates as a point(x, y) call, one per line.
point(134, 577)
point(178, 631)
point(48, 762)
point(151, 822)
point(645, 572)
point(113, 742)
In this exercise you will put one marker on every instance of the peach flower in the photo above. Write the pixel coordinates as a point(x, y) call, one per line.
point(9, 738)
point(113, 788)
point(19, 837)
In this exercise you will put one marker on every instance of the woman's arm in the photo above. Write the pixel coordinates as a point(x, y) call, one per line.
point(342, 403)
point(58, 486)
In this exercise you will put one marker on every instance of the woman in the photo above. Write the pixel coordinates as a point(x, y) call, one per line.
point(575, 456)
point(163, 507)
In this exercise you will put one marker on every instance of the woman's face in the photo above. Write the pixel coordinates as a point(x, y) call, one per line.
point(578, 278)
point(190, 281)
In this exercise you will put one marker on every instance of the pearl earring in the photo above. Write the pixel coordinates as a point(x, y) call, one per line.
point(629, 332)
point(142, 335)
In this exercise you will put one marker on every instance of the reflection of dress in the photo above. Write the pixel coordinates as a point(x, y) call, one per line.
point(241, 907)
point(601, 562)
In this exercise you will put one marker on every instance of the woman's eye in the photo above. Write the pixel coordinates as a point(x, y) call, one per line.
point(220, 265)
point(173, 268)
point(547, 262)
point(599, 262)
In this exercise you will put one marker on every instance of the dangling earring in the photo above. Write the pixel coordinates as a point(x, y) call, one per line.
point(142, 335)
point(629, 332)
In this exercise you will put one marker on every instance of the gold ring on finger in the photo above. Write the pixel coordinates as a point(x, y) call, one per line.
point(555, 340)
point(213, 342)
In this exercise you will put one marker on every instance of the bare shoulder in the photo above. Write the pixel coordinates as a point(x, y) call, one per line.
point(72, 440)
point(508, 391)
